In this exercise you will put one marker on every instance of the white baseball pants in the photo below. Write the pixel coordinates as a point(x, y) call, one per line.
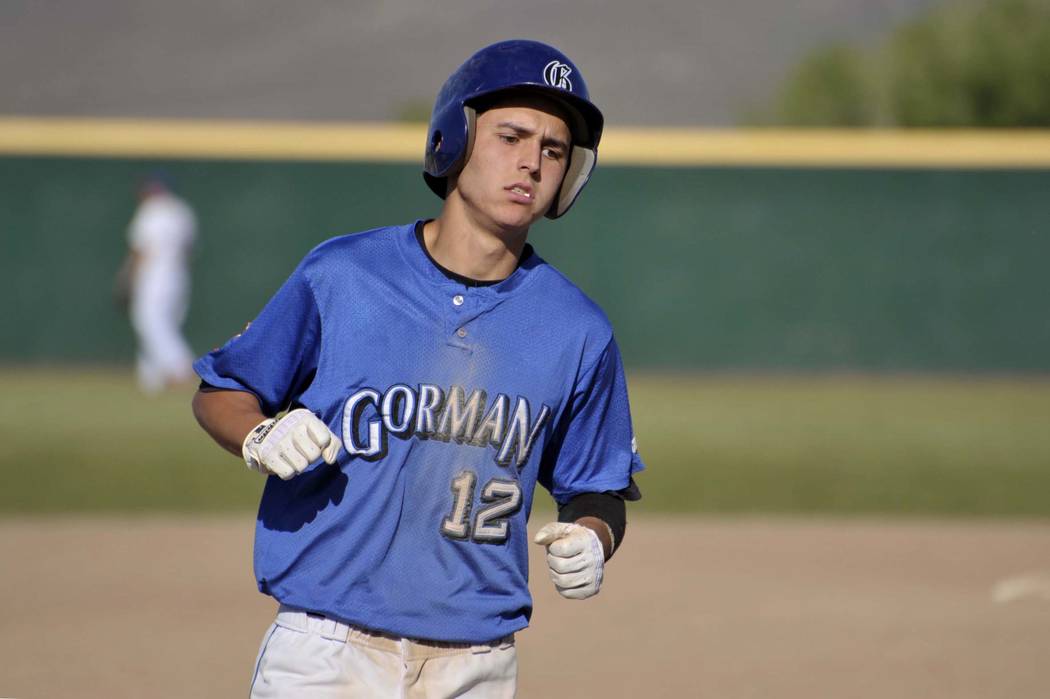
point(158, 309)
point(307, 655)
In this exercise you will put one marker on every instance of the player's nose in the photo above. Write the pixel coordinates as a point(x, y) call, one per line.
point(529, 157)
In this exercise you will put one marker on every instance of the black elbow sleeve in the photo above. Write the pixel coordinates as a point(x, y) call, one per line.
point(608, 507)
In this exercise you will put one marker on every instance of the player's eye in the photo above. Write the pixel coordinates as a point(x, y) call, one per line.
point(552, 153)
point(509, 139)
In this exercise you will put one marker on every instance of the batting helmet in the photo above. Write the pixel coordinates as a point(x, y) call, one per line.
point(512, 65)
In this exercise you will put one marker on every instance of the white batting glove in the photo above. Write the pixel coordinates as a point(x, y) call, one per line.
point(285, 447)
point(575, 558)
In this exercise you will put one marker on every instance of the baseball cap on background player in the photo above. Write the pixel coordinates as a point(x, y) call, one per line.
point(154, 182)
point(512, 66)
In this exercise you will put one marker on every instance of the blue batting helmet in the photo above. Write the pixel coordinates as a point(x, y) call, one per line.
point(512, 65)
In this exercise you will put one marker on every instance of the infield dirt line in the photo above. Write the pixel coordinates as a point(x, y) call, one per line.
point(166, 607)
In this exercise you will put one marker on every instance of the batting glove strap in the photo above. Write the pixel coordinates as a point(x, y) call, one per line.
point(255, 438)
point(287, 447)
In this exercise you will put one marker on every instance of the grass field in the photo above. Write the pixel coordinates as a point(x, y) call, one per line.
point(86, 440)
point(841, 445)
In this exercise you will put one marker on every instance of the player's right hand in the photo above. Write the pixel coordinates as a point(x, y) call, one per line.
point(285, 447)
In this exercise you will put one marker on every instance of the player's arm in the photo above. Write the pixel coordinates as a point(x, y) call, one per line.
point(227, 416)
point(283, 446)
point(123, 284)
point(594, 444)
point(590, 528)
point(260, 372)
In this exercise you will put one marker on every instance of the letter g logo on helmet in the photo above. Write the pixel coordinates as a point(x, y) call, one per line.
point(556, 74)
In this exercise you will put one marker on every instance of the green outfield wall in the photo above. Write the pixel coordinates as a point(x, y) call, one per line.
point(700, 267)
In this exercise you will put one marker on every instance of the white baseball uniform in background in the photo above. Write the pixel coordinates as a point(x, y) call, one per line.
point(161, 234)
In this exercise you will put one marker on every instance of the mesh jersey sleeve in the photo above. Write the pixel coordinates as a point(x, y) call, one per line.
point(275, 357)
point(593, 447)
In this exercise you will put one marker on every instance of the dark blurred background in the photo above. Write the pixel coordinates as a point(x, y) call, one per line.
point(686, 63)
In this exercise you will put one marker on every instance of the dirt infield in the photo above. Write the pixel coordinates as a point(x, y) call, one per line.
point(691, 608)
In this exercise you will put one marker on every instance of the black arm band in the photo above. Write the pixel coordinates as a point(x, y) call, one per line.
point(608, 507)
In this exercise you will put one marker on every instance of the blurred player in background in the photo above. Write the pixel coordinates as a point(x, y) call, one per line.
point(154, 284)
point(407, 388)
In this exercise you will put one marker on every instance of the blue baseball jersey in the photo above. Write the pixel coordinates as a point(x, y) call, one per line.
point(452, 402)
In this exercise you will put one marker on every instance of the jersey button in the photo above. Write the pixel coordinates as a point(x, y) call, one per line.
point(457, 300)
point(461, 332)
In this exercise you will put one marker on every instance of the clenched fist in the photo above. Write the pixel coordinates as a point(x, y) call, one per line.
point(285, 447)
point(575, 558)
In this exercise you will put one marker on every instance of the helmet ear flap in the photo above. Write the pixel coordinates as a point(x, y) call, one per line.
point(471, 116)
point(581, 164)
point(441, 184)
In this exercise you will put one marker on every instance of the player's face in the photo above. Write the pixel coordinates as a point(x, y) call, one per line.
point(521, 151)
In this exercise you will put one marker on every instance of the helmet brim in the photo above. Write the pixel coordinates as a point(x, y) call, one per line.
point(585, 122)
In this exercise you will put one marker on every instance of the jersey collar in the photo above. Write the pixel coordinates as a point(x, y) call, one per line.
point(418, 259)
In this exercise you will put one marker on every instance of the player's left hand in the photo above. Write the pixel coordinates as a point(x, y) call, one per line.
point(575, 558)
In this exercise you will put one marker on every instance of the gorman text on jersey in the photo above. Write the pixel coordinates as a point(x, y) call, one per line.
point(428, 412)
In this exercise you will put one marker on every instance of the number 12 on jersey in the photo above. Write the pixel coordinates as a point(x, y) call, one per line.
point(500, 499)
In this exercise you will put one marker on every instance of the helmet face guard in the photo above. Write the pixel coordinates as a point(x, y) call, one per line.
point(512, 66)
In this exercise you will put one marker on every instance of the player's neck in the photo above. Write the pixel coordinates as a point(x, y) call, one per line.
point(468, 249)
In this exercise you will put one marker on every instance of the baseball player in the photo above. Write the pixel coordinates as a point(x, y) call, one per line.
point(155, 278)
point(405, 390)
